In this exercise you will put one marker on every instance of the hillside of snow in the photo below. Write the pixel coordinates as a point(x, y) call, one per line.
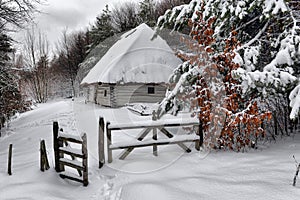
point(266, 173)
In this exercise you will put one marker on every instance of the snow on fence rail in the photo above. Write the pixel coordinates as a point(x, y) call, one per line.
point(62, 147)
point(154, 126)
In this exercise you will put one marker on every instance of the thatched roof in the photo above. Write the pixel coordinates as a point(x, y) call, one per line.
point(136, 57)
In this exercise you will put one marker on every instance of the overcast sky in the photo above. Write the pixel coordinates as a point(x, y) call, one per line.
point(58, 15)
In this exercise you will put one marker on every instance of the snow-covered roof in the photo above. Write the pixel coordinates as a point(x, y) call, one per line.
point(135, 58)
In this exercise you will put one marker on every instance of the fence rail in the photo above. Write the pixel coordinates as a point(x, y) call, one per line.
point(62, 147)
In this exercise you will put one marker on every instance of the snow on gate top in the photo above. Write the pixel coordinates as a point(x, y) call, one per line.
point(136, 58)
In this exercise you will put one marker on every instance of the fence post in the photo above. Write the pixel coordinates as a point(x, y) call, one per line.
point(47, 166)
point(154, 118)
point(55, 145)
point(109, 151)
point(43, 156)
point(201, 135)
point(199, 142)
point(85, 160)
point(101, 142)
point(9, 160)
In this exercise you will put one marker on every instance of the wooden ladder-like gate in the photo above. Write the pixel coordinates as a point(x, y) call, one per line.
point(61, 147)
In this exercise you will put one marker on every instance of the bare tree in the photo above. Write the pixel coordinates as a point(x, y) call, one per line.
point(17, 12)
point(125, 16)
point(37, 65)
point(71, 51)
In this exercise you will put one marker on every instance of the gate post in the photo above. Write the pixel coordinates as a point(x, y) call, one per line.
point(85, 160)
point(108, 136)
point(199, 142)
point(154, 118)
point(55, 146)
point(101, 142)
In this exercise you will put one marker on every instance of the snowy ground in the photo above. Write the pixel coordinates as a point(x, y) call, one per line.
point(258, 174)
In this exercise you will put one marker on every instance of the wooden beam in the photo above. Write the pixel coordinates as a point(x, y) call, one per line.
point(166, 132)
point(125, 153)
point(43, 157)
point(199, 142)
point(63, 176)
point(108, 137)
point(70, 164)
point(101, 153)
point(72, 154)
point(60, 144)
point(66, 138)
point(155, 153)
point(42, 161)
point(154, 118)
point(141, 136)
point(55, 146)
point(9, 171)
point(169, 135)
point(153, 125)
point(151, 144)
point(85, 160)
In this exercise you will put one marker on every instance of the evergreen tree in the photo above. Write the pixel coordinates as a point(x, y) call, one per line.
point(5, 48)
point(103, 27)
point(268, 32)
point(10, 97)
point(204, 80)
point(147, 12)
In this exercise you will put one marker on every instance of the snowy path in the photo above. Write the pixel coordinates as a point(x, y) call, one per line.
point(261, 174)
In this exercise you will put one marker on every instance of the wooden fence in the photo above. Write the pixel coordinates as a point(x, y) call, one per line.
point(61, 147)
point(147, 126)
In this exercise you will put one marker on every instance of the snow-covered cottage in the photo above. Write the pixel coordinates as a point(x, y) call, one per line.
point(135, 69)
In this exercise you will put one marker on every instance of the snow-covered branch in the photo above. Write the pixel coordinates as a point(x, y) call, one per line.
point(264, 81)
point(179, 87)
point(258, 35)
point(295, 102)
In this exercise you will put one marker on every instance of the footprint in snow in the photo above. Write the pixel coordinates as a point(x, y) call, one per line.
point(107, 189)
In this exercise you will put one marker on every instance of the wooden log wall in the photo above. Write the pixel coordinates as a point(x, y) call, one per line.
point(138, 93)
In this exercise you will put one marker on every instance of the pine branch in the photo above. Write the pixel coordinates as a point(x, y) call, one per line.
point(259, 34)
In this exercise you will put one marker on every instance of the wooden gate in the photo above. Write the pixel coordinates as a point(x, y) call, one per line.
point(62, 147)
point(147, 127)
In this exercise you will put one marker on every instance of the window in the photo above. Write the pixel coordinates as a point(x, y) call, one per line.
point(151, 90)
point(105, 93)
